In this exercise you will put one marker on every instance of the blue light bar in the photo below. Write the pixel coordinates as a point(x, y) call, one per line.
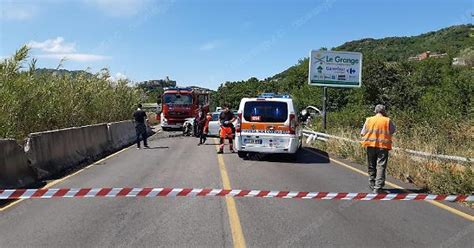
point(266, 95)
point(273, 95)
point(179, 89)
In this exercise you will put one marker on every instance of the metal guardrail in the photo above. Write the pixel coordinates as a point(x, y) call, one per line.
point(312, 136)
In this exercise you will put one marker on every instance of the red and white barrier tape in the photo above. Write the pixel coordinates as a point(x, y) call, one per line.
point(6, 194)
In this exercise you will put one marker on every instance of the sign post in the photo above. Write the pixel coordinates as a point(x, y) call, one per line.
point(334, 69)
point(325, 98)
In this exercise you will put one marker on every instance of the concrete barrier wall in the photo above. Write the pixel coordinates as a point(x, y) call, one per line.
point(54, 151)
point(121, 134)
point(51, 152)
point(14, 169)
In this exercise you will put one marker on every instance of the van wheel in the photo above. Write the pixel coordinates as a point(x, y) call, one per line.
point(242, 154)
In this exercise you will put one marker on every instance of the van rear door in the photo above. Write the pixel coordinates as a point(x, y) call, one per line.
point(265, 125)
point(265, 111)
point(265, 117)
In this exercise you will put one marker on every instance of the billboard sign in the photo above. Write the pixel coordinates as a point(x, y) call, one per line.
point(335, 68)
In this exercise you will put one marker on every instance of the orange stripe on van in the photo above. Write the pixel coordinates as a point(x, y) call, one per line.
point(264, 126)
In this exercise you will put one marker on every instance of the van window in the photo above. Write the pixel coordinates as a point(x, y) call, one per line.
point(265, 111)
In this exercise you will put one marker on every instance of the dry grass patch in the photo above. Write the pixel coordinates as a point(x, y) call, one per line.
point(436, 176)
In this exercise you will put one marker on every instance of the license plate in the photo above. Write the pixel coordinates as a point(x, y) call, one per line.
point(253, 141)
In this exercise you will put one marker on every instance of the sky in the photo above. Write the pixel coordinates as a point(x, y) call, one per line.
point(207, 42)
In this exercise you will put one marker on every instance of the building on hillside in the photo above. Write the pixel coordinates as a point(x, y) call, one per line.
point(162, 83)
point(427, 54)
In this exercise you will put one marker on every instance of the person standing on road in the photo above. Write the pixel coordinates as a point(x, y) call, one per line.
point(140, 126)
point(227, 128)
point(377, 138)
point(205, 129)
point(199, 121)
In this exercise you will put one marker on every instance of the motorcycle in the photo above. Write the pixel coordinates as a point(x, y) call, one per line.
point(188, 127)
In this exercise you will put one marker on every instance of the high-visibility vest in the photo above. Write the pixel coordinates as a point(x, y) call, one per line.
point(377, 133)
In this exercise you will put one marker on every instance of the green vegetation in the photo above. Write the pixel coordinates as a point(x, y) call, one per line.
point(429, 100)
point(447, 40)
point(34, 100)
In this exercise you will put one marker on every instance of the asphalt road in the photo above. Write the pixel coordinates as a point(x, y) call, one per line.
point(220, 222)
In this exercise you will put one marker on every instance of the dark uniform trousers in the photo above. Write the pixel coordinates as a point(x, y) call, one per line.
point(140, 129)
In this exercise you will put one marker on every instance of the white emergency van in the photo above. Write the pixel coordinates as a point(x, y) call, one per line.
point(268, 124)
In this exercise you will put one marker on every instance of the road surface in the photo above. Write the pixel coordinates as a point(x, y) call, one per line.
point(221, 222)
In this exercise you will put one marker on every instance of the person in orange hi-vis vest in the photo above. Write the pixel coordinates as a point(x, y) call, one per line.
point(377, 138)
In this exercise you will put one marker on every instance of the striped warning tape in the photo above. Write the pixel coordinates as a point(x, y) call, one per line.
point(6, 194)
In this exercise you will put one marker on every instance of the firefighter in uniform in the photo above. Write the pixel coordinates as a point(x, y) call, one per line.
point(377, 138)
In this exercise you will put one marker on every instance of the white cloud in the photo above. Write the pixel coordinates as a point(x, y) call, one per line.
point(209, 46)
point(57, 48)
point(118, 76)
point(118, 8)
point(17, 11)
point(56, 45)
point(79, 57)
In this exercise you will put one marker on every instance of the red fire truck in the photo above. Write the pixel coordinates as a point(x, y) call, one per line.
point(178, 104)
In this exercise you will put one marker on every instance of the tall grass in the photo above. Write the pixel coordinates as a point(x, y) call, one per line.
point(439, 136)
point(31, 101)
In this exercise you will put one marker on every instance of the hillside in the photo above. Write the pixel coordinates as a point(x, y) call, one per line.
point(153, 89)
point(449, 40)
point(62, 72)
point(390, 55)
